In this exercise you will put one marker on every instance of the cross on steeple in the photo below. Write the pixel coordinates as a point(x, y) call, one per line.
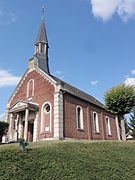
point(43, 10)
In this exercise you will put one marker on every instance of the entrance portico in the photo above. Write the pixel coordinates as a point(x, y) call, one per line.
point(23, 121)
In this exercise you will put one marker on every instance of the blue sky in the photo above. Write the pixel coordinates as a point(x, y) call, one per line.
point(92, 42)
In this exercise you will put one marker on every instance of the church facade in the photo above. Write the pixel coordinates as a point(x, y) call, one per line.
point(43, 107)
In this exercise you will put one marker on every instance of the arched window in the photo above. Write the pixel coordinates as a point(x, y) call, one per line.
point(30, 88)
point(108, 127)
point(79, 113)
point(46, 117)
point(96, 123)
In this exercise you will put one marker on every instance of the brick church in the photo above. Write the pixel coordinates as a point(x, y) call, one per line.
point(43, 107)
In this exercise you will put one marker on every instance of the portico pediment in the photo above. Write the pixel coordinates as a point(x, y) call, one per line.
point(21, 105)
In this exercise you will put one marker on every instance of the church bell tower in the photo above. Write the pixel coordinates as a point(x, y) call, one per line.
point(41, 48)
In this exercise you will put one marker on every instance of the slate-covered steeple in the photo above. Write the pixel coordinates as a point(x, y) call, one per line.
point(42, 37)
point(41, 48)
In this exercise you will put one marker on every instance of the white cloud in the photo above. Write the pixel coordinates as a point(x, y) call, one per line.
point(94, 83)
point(105, 9)
point(2, 117)
point(133, 72)
point(126, 9)
point(8, 79)
point(12, 18)
point(130, 81)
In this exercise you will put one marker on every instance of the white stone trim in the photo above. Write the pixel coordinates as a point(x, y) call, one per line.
point(81, 116)
point(97, 122)
point(34, 103)
point(47, 139)
point(108, 126)
point(42, 129)
point(28, 88)
point(58, 115)
point(117, 127)
point(35, 131)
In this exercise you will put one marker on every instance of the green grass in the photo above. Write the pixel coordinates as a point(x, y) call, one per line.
point(69, 160)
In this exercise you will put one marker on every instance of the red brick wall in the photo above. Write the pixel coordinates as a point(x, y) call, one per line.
point(70, 120)
point(43, 92)
point(113, 126)
point(96, 136)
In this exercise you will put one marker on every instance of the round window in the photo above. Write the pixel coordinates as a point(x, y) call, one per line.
point(47, 108)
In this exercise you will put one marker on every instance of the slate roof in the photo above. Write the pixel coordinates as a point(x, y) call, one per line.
point(43, 63)
point(76, 92)
point(42, 36)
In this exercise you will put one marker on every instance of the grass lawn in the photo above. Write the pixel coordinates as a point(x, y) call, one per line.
point(68, 160)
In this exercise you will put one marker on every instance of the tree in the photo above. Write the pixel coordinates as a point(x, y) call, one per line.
point(3, 129)
point(132, 124)
point(120, 100)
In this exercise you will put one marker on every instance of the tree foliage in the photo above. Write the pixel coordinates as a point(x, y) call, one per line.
point(3, 128)
point(132, 124)
point(120, 99)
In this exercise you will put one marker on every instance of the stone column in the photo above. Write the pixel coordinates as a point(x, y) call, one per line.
point(123, 130)
point(39, 47)
point(20, 130)
point(11, 123)
point(35, 133)
point(35, 50)
point(58, 115)
point(26, 124)
point(16, 127)
point(10, 127)
point(117, 127)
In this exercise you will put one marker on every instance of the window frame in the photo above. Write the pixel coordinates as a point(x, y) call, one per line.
point(81, 118)
point(28, 89)
point(96, 123)
point(108, 126)
point(42, 125)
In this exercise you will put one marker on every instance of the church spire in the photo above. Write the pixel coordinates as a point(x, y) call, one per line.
point(42, 37)
point(41, 44)
point(41, 47)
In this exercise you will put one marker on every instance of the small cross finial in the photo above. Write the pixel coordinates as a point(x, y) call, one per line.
point(43, 10)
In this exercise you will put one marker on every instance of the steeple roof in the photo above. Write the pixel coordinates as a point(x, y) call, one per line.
point(42, 36)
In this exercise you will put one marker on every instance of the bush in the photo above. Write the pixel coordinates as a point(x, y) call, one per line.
point(3, 129)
